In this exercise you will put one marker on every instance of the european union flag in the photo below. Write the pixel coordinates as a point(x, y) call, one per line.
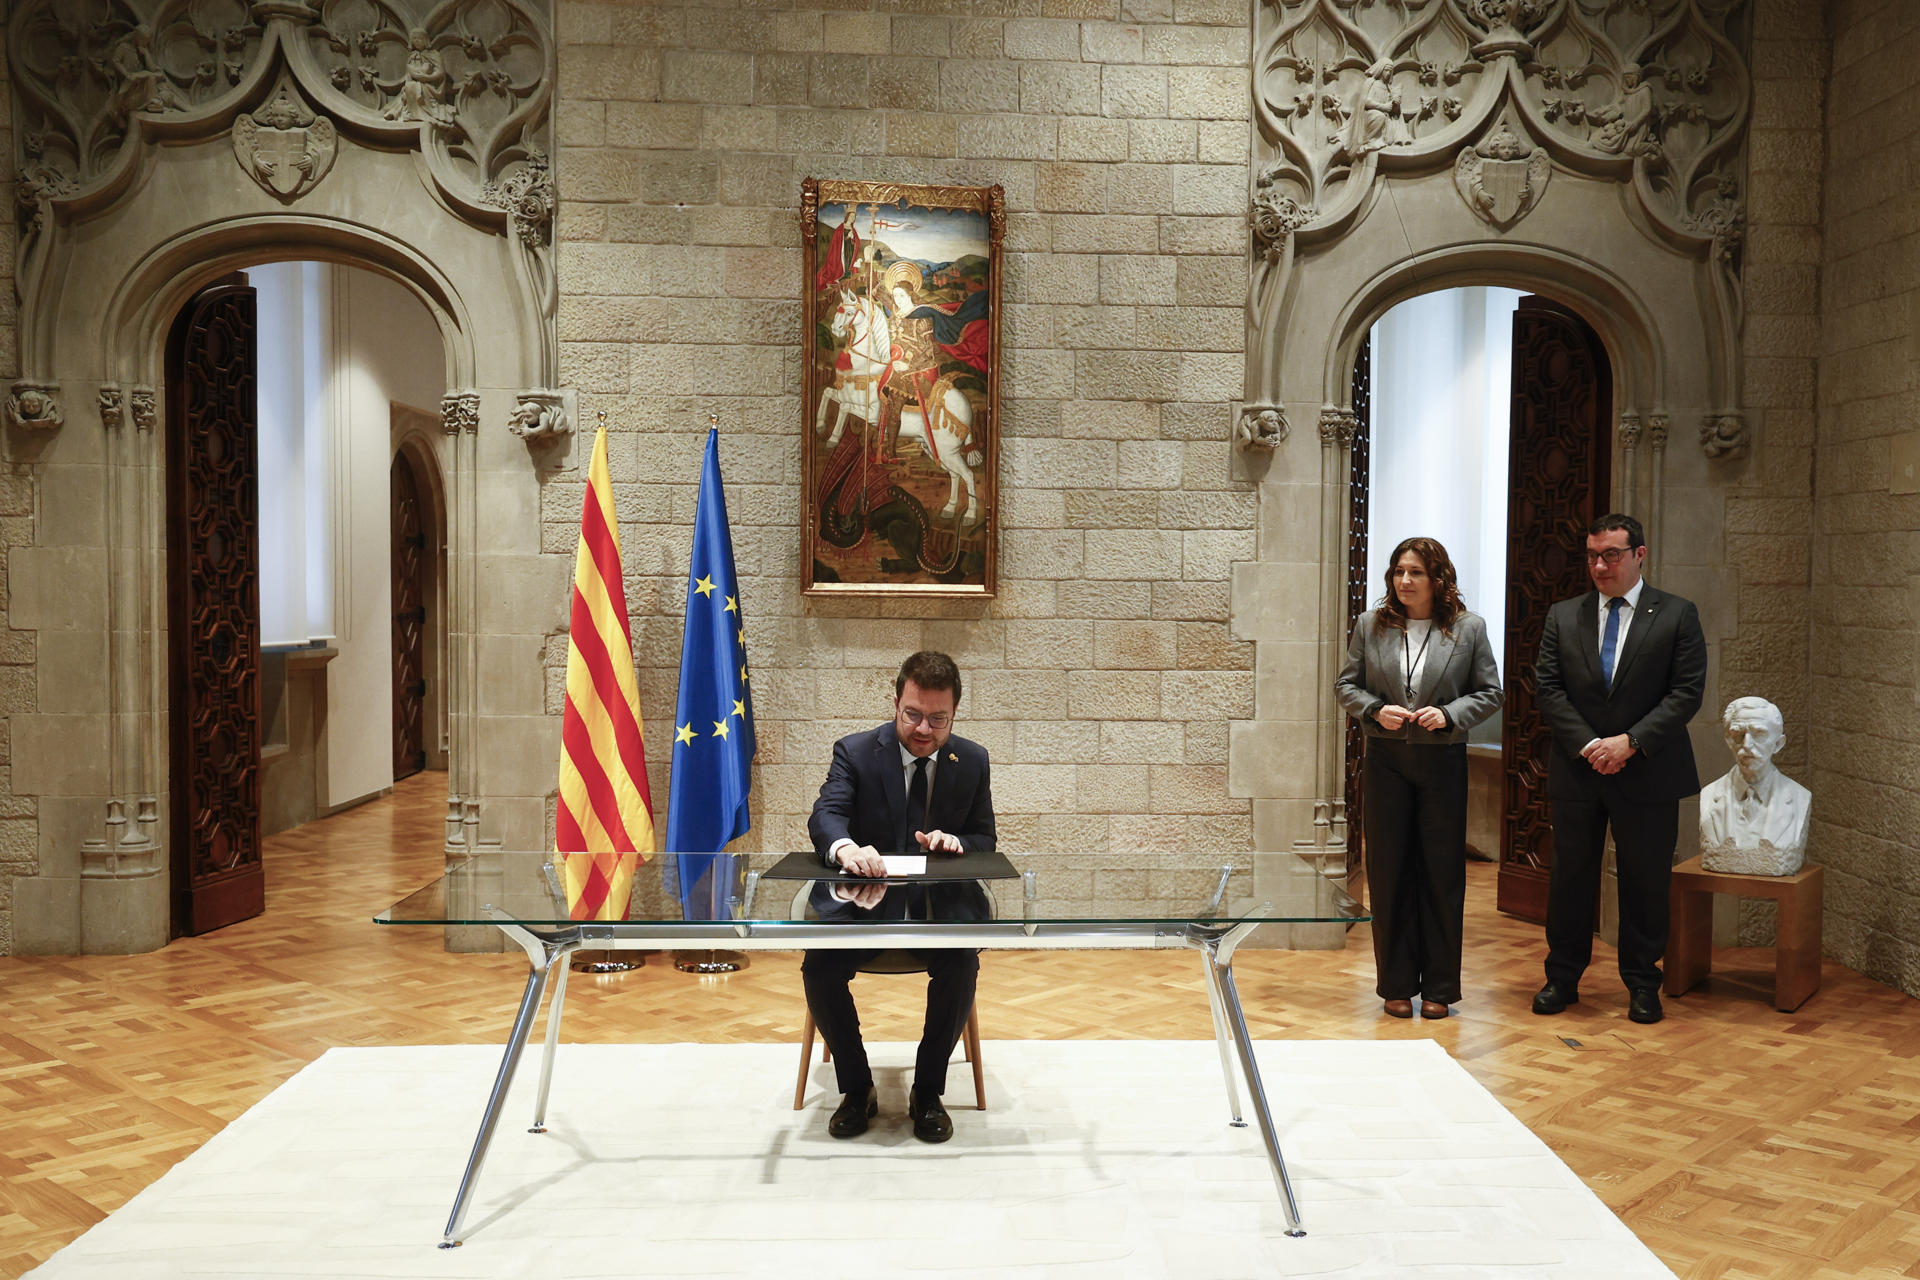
point(713, 740)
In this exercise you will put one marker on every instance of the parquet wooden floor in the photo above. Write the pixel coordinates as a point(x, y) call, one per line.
point(1736, 1141)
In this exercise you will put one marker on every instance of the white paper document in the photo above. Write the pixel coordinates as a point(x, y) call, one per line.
point(905, 864)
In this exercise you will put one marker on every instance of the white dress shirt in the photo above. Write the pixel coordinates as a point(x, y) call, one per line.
point(906, 769)
point(1626, 618)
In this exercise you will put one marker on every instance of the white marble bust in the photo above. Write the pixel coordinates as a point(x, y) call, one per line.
point(1754, 820)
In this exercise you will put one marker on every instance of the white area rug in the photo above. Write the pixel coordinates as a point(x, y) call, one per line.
point(1096, 1159)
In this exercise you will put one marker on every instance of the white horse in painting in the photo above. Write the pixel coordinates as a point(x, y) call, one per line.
point(945, 441)
point(856, 390)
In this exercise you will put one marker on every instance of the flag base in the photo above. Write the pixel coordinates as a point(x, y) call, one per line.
point(709, 961)
point(602, 961)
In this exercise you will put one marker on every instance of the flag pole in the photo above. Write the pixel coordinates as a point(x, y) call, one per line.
point(710, 962)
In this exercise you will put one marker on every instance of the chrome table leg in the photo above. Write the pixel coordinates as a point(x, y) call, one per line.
point(541, 956)
point(554, 1009)
point(1220, 1039)
point(1218, 947)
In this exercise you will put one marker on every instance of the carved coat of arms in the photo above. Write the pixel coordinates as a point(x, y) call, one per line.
point(283, 146)
point(1502, 176)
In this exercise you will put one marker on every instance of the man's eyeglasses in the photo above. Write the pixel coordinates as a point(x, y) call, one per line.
point(1612, 555)
point(938, 720)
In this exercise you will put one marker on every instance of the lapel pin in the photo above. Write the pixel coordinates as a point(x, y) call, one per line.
point(953, 757)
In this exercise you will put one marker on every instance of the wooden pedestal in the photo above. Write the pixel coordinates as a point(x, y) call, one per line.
point(1796, 962)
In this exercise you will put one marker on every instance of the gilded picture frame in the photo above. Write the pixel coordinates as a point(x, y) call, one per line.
point(900, 363)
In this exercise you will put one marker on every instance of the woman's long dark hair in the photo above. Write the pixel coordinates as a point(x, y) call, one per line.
point(1447, 604)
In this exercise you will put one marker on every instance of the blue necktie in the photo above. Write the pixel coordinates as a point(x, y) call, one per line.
point(1610, 639)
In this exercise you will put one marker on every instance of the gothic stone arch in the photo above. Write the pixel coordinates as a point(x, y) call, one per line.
point(416, 148)
point(1590, 150)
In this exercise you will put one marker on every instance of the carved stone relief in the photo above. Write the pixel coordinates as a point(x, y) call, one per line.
point(283, 145)
point(34, 406)
point(1628, 432)
point(540, 417)
point(1502, 176)
point(466, 83)
point(145, 403)
point(460, 411)
point(1261, 426)
point(1724, 435)
point(113, 406)
point(1652, 95)
point(1337, 427)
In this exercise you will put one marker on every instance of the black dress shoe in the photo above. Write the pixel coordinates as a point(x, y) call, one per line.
point(1553, 998)
point(1644, 1006)
point(850, 1118)
point(931, 1123)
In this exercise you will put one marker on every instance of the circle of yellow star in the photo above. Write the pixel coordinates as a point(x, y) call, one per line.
point(740, 707)
point(704, 586)
point(684, 733)
point(733, 606)
point(719, 728)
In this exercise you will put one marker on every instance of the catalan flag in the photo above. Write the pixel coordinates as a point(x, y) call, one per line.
point(713, 742)
point(606, 815)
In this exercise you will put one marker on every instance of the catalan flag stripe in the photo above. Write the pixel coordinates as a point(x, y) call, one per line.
point(605, 816)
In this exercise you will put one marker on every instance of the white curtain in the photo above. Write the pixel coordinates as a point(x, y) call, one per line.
point(1442, 365)
point(295, 412)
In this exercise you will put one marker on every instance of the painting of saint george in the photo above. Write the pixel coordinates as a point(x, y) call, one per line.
point(902, 354)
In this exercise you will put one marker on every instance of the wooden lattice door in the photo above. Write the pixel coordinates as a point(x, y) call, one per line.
point(1359, 484)
point(1559, 481)
point(408, 524)
point(213, 615)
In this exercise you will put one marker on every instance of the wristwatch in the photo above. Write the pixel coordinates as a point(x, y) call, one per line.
point(1633, 742)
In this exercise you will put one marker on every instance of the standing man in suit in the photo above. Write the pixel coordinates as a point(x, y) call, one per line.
point(1621, 671)
point(907, 786)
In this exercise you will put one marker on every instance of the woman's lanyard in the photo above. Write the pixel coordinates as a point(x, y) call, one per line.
point(1414, 659)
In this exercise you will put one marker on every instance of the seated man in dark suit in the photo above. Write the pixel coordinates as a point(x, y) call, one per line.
point(904, 787)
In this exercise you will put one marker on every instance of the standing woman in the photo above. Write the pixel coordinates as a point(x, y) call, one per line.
point(1419, 674)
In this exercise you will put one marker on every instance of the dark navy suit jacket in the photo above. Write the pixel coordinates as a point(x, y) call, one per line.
point(1659, 678)
point(864, 799)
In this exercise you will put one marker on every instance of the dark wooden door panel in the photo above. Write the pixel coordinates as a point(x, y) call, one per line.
point(1359, 486)
point(409, 621)
point(213, 591)
point(1559, 478)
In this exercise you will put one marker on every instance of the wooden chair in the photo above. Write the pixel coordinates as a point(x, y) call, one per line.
point(890, 961)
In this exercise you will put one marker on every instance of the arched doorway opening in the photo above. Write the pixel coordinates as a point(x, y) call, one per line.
point(1483, 417)
point(296, 392)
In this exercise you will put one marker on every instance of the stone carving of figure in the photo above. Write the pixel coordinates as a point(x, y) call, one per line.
point(143, 85)
point(1378, 121)
point(1754, 820)
point(32, 405)
point(424, 92)
point(1625, 126)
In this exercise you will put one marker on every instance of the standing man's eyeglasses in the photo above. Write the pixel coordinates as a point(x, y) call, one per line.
point(1612, 555)
point(938, 719)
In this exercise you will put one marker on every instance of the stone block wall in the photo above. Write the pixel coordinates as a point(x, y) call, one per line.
point(1766, 522)
point(1865, 658)
point(19, 824)
point(1103, 677)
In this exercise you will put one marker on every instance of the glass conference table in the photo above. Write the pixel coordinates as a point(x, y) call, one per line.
point(1211, 903)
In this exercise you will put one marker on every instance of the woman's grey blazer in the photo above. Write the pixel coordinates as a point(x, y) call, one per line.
point(1459, 676)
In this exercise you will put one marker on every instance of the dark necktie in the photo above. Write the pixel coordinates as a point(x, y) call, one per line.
point(916, 804)
point(1610, 638)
